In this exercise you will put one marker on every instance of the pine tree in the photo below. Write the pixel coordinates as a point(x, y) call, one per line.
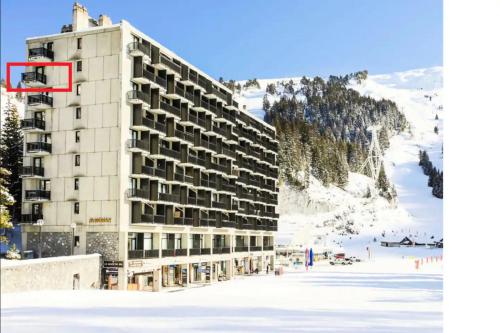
point(382, 182)
point(19, 95)
point(6, 200)
point(11, 154)
point(436, 117)
point(436, 129)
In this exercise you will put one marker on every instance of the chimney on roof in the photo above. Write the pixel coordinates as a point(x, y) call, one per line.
point(80, 17)
point(104, 20)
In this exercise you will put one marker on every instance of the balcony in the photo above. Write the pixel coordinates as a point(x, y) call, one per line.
point(37, 195)
point(171, 110)
point(138, 97)
point(218, 204)
point(40, 53)
point(136, 49)
point(31, 218)
point(38, 148)
point(34, 79)
point(170, 153)
point(151, 253)
point(205, 251)
point(33, 125)
point(167, 252)
point(183, 221)
point(31, 171)
point(194, 252)
point(180, 252)
point(135, 254)
point(143, 76)
point(221, 250)
point(142, 123)
point(255, 248)
point(40, 101)
point(268, 248)
point(144, 218)
point(206, 222)
point(136, 145)
point(169, 197)
point(170, 65)
point(160, 219)
point(241, 249)
point(137, 194)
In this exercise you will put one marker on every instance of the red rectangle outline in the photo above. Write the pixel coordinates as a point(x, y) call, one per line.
point(54, 64)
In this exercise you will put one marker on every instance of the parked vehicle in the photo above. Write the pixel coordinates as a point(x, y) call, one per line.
point(340, 261)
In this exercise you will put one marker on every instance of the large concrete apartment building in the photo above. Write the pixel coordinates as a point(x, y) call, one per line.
point(147, 161)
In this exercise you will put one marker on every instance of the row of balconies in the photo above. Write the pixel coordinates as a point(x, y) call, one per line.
point(177, 198)
point(210, 92)
point(257, 196)
point(145, 254)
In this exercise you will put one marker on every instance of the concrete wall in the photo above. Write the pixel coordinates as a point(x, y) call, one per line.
point(50, 273)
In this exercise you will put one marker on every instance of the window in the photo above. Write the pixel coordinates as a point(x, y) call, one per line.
point(77, 160)
point(79, 66)
point(78, 113)
point(78, 86)
point(50, 45)
point(79, 43)
point(77, 136)
point(77, 184)
point(76, 208)
point(76, 241)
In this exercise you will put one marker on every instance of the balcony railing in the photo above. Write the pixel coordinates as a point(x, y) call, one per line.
point(218, 250)
point(37, 195)
point(180, 252)
point(169, 197)
point(268, 248)
point(167, 252)
point(152, 253)
point(138, 95)
point(135, 254)
point(138, 193)
point(170, 64)
point(206, 222)
point(139, 144)
point(34, 77)
point(31, 218)
point(170, 108)
point(255, 248)
point(40, 99)
point(41, 52)
point(33, 123)
point(32, 171)
point(138, 46)
point(183, 221)
point(33, 147)
point(170, 153)
point(205, 251)
point(241, 249)
point(194, 252)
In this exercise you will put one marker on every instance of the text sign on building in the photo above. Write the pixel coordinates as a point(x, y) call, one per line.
point(113, 264)
point(100, 220)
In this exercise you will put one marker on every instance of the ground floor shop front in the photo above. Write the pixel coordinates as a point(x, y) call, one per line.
point(157, 275)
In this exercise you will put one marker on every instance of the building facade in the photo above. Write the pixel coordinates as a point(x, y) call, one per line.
point(147, 161)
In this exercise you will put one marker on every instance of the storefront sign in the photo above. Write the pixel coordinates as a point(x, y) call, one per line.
point(100, 220)
point(113, 264)
point(135, 263)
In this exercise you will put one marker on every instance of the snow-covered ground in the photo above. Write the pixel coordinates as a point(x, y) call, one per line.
point(376, 296)
point(318, 216)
